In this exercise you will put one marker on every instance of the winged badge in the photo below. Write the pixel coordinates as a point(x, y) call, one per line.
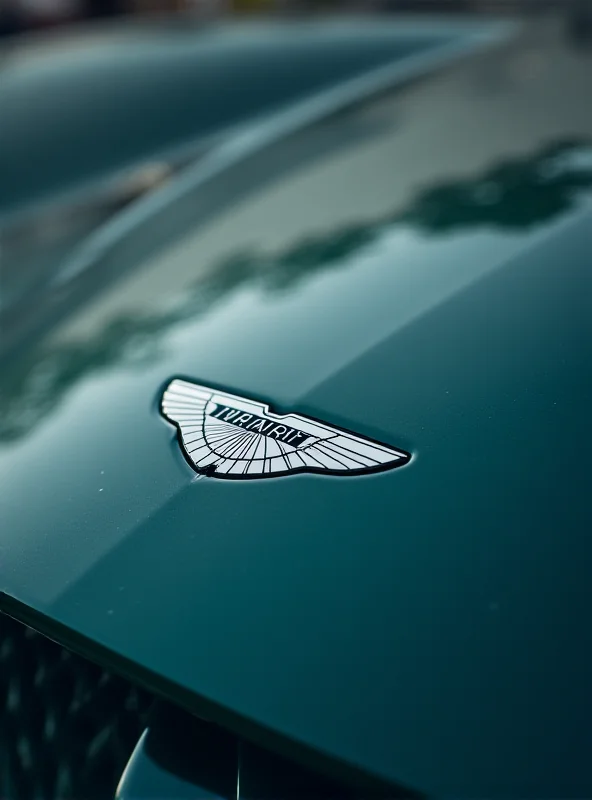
point(226, 436)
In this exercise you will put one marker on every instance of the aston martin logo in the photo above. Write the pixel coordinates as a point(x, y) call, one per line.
point(225, 436)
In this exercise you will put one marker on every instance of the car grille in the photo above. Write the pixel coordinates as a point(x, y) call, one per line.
point(67, 727)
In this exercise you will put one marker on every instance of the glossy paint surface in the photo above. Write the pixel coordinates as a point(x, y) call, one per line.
point(415, 270)
point(94, 118)
point(80, 107)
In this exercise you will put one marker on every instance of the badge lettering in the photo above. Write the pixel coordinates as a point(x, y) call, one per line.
point(229, 442)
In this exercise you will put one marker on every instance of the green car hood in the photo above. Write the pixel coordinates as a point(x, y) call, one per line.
point(415, 269)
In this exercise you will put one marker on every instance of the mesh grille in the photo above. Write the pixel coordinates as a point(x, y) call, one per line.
point(67, 727)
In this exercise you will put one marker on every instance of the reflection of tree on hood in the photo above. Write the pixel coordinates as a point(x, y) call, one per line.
point(516, 195)
point(519, 194)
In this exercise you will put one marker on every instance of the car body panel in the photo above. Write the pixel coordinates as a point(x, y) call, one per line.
point(415, 270)
point(114, 96)
point(127, 108)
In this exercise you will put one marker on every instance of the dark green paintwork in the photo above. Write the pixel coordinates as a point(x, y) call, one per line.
point(91, 120)
point(417, 270)
point(115, 97)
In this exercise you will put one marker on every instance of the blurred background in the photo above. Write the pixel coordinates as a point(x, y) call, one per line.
point(19, 16)
point(67, 727)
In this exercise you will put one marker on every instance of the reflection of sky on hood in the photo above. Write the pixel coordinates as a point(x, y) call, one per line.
point(311, 293)
point(325, 324)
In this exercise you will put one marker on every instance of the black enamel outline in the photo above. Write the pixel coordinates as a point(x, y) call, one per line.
point(401, 462)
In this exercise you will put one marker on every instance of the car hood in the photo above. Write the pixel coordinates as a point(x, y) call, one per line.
point(126, 106)
point(413, 269)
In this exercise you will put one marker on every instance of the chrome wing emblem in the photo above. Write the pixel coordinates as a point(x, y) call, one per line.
point(225, 436)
